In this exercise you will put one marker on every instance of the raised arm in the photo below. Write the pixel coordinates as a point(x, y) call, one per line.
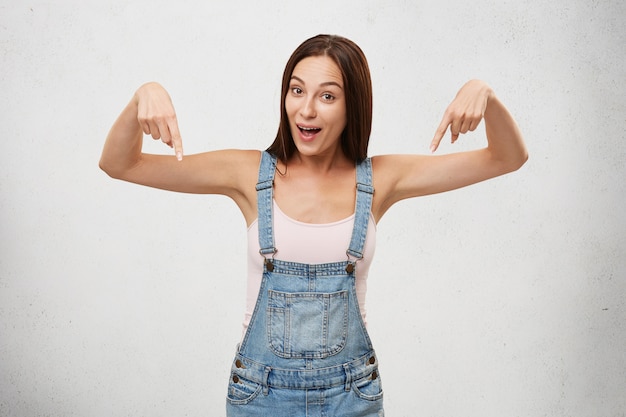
point(398, 177)
point(150, 111)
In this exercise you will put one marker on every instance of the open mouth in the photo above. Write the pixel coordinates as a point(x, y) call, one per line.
point(309, 131)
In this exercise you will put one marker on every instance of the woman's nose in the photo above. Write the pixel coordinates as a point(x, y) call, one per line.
point(308, 108)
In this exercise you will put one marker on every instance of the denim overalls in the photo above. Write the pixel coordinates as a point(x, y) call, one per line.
point(306, 351)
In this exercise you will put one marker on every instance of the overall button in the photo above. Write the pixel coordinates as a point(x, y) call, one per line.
point(372, 360)
point(374, 375)
point(235, 379)
point(238, 364)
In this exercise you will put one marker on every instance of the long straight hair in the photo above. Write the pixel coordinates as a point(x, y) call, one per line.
point(358, 92)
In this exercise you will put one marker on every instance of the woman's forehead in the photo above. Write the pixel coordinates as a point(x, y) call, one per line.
point(318, 70)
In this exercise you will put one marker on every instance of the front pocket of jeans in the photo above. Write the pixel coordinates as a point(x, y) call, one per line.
point(242, 391)
point(369, 388)
point(307, 325)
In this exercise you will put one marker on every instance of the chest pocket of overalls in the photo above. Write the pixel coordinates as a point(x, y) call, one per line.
point(307, 325)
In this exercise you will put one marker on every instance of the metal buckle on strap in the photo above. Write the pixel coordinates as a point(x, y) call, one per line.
point(351, 264)
point(269, 263)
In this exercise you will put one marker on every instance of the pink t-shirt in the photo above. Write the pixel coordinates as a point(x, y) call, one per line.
point(310, 244)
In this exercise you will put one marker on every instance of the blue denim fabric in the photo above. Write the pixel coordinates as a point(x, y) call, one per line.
point(306, 351)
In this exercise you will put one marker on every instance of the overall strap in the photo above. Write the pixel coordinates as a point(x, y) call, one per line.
point(365, 192)
point(264, 203)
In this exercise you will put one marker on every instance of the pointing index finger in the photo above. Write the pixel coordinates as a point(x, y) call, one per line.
point(177, 141)
point(439, 133)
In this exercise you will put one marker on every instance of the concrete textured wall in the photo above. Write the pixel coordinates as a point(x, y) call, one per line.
point(502, 299)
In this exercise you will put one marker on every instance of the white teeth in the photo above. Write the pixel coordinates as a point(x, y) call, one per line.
point(308, 129)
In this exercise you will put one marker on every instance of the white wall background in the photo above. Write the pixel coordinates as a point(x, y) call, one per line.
point(503, 299)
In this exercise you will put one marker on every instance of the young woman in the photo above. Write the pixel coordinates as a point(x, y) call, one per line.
point(312, 201)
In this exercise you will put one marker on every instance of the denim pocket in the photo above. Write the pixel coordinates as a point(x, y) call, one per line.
point(307, 325)
point(242, 391)
point(369, 388)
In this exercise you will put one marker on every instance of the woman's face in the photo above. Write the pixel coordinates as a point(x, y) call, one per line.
point(316, 106)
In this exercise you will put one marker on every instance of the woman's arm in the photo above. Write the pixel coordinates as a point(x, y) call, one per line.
point(150, 111)
point(398, 177)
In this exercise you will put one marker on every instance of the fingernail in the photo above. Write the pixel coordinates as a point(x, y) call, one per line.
point(179, 155)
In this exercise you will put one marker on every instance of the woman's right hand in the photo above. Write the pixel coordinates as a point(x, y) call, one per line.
point(150, 112)
point(157, 117)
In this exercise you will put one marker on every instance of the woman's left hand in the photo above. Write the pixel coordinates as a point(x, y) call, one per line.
point(464, 113)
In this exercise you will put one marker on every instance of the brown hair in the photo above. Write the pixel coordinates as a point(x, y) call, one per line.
point(358, 89)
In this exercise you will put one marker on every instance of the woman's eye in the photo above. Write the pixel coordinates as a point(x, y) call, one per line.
point(296, 90)
point(328, 97)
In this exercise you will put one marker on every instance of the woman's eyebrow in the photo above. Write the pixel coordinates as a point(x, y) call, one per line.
point(324, 84)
